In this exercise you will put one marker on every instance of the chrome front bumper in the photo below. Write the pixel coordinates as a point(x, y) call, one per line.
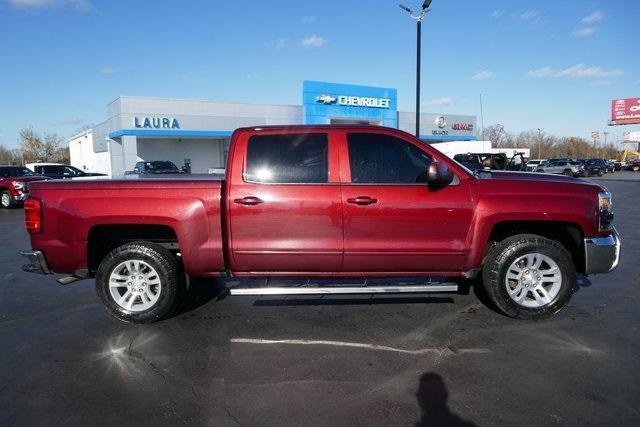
point(37, 263)
point(602, 254)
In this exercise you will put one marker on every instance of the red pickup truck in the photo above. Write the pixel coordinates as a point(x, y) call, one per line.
point(325, 202)
point(14, 185)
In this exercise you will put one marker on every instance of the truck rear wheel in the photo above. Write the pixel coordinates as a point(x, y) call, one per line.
point(528, 276)
point(139, 282)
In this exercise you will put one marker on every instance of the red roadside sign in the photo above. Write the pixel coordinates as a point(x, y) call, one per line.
point(625, 111)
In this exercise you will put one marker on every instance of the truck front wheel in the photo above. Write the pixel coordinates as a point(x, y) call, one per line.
point(139, 282)
point(6, 201)
point(528, 276)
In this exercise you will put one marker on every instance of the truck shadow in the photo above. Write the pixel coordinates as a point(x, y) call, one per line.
point(480, 293)
point(200, 292)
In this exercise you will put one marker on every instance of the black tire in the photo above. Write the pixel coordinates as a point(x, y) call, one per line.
point(600, 173)
point(504, 253)
point(165, 264)
point(6, 201)
point(568, 172)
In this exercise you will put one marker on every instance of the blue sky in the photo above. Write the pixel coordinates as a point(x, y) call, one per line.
point(549, 64)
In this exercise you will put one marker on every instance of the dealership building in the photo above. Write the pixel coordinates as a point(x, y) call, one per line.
point(198, 132)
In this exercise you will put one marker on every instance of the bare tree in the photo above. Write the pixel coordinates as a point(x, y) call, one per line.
point(550, 145)
point(38, 149)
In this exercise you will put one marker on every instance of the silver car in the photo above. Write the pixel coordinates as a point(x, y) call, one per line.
point(564, 167)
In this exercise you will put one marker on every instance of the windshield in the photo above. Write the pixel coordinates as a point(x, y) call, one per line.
point(20, 171)
point(161, 166)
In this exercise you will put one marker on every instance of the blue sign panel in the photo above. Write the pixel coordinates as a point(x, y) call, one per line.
point(322, 101)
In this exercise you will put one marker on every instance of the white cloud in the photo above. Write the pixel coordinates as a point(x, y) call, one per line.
point(582, 71)
point(313, 41)
point(596, 16)
point(108, 71)
point(441, 101)
point(533, 17)
point(83, 5)
point(496, 14)
point(309, 19)
point(529, 15)
point(482, 75)
point(584, 32)
point(540, 72)
point(579, 71)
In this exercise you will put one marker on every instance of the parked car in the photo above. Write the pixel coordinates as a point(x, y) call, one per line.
point(611, 167)
point(595, 167)
point(60, 171)
point(156, 167)
point(532, 165)
point(633, 165)
point(565, 167)
point(491, 161)
point(617, 164)
point(14, 185)
point(325, 202)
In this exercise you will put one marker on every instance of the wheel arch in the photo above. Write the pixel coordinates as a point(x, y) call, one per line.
point(102, 239)
point(569, 234)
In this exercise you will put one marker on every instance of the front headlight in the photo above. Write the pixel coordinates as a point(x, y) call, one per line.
point(19, 185)
point(605, 208)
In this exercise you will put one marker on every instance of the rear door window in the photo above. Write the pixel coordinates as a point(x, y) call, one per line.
point(288, 158)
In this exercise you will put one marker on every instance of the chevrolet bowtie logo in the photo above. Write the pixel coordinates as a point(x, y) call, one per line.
point(326, 99)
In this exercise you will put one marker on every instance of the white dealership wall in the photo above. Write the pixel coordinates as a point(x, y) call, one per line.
point(84, 158)
point(147, 128)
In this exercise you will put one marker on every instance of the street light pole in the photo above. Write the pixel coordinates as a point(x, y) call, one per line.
point(419, 38)
point(418, 19)
point(539, 141)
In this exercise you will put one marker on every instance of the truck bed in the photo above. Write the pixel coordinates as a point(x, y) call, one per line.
point(81, 215)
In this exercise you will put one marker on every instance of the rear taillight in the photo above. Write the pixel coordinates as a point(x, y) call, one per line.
point(33, 215)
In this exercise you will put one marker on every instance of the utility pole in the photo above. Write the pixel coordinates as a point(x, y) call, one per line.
point(539, 142)
point(481, 120)
point(418, 19)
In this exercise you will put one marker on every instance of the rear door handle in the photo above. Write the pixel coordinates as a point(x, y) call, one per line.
point(362, 200)
point(249, 201)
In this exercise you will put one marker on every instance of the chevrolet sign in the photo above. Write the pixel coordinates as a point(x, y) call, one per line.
point(355, 101)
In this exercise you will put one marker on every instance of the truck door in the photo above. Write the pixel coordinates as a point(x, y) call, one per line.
point(393, 221)
point(516, 163)
point(284, 203)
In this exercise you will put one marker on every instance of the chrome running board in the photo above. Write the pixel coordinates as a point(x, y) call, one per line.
point(311, 290)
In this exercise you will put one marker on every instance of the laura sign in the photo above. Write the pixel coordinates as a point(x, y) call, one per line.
point(625, 111)
point(156, 122)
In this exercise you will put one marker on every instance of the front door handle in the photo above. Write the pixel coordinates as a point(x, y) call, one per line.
point(249, 201)
point(362, 200)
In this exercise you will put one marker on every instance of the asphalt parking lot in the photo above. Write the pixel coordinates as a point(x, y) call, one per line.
point(443, 359)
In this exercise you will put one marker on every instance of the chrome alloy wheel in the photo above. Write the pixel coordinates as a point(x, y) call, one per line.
point(533, 280)
point(134, 285)
point(6, 200)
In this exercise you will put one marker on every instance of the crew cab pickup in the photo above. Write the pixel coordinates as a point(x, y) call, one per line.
point(325, 202)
